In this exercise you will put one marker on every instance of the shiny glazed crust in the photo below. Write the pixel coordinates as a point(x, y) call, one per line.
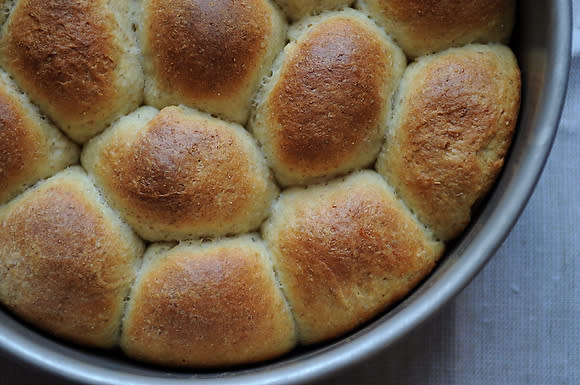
point(254, 175)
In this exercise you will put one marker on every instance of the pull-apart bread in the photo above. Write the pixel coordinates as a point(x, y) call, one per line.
point(207, 184)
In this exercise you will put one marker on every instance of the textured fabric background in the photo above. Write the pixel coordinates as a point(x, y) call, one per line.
point(518, 322)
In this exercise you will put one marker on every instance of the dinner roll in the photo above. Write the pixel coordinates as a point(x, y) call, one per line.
point(30, 147)
point(452, 125)
point(345, 251)
point(421, 27)
point(181, 174)
point(297, 9)
point(66, 260)
point(208, 55)
point(324, 110)
point(210, 304)
point(76, 59)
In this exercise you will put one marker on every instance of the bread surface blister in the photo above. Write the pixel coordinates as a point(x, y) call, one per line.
point(207, 184)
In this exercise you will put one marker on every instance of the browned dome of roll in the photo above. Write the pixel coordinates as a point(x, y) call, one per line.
point(345, 251)
point(422, 27)
point(209, 55)
point(324, 111)
point(75, 59)
point(180, 174)
point(66, 261)
point(214, 304)
point(30, 147)
point(297, 9)
point(452, 126)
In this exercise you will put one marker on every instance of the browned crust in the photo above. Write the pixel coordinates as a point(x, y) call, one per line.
point(61, 52)
point(451, 134)
point(329, 101)
point(207, 50)
point(180, 166)
point(190, 174)
point(211, 307)
point(427, 26)
point(20, 146)
point(346, 252)
point(297, 9)
point(63, 266)
point(443, 15)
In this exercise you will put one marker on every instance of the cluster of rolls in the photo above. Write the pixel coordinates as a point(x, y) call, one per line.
point(211, 183)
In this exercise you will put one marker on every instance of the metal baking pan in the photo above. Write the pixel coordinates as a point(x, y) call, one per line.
point(542, 42)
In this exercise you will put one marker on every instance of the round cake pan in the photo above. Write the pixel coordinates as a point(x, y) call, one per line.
point(542, 42)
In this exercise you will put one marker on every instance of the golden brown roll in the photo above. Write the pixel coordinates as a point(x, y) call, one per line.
point(212, 304)
point(66, 260)
point(30, 147)
point(452, 124)
point(76, 60)
point(208, 55)
point(421, 27)
point(297, 9)
point(181, 174)
point(344, 251)
point(324, 110)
